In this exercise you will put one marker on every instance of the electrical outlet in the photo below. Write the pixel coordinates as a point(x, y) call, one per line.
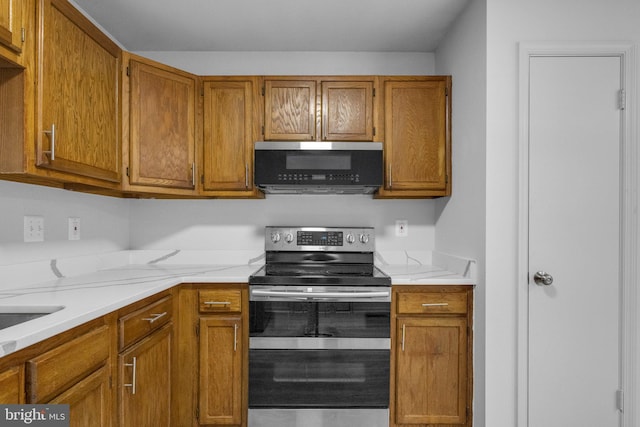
point(402, 228)
point(33, 228)
point(74, 228)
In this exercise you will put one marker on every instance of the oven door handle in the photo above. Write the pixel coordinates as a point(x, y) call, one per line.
point(314, 295)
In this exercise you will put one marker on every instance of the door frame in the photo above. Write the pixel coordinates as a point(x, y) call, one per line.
point(630, 339)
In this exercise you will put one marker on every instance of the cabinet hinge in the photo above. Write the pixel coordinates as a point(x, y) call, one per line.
point(127, 171)
point(374, 92)
point(197, 329)
point(128, 72)
point(374, 131)
point(622, 99)
point(446, 91)
point(263, 91)
point(263, 130)
point(110, 382)
point(202, 179)
point(23, 34)
point(620, 400)
point(202, 91)
point(198, 414)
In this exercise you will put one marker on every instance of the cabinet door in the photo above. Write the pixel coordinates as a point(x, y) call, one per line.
point(221, 370)
point(12, 385)
point(11, 24)
point(77, 95)
point(290, 110)
point(162, 120)
point(229, 132)
point(347, 111)
point(431, 370)
point(417, 140)
point(145, 381)
point(89, 400)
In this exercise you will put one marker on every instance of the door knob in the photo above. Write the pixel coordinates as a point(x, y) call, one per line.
point(542, 278)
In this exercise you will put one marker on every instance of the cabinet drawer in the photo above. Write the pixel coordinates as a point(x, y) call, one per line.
point(54, 371)
point(220, 300)
point(139, 323)
point(431, 302)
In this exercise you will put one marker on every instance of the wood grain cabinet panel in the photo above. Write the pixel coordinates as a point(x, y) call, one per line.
point(11, 25)
point(12, 385)
point(162, 124)
point(54, 371)
point(417, 137)
point(431, 356)
point(290, 110)
point(337, 108)
point(221, 370)
point(77, 113)
point(231, 127)
point(347, 111)
point(89, 400)
point(146, 381)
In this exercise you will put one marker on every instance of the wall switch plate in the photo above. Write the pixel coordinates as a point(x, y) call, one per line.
point(33, 228)
point(74, 228)
point(402, 228)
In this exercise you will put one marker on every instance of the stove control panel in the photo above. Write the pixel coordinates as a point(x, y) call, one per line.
point(333, 239)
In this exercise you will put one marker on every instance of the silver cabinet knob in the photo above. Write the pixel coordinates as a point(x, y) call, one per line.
point(542, 278)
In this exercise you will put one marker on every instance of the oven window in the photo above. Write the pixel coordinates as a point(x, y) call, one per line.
point(319, 319)
point(319, 378)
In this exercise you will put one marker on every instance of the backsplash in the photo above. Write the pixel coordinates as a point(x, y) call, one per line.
point(111, 224)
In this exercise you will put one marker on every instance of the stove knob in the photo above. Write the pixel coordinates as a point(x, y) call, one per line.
point(288, 238)
point(275, 237)
point(350, 238)
point(364, 238)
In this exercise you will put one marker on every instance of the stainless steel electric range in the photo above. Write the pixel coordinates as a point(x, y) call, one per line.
point(319, 330)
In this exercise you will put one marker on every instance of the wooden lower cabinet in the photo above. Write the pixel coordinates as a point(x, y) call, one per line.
point(431, 372)
point(223, 344)
point(145, 369)
point(78, 373)
point(89, 400)
point(221, 370)
point(145, 362)
point(12, 385)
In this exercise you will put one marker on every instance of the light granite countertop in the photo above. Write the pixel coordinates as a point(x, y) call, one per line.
point(92, 286)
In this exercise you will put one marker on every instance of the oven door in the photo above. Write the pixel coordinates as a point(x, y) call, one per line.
point(319, 353)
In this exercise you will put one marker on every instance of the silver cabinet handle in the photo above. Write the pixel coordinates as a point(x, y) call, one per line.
point(235, 337)
point(246, 175)
point(436, 304)
point(542, 278)
point(216, 303)
point(133, 377)
point(403, 335)
point(52, 133)
point(390, 177)
point(193, 174)
point(154, 317)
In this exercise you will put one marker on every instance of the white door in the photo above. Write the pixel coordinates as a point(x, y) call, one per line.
point(574, 236)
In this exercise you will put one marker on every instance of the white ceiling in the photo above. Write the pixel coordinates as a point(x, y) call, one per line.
point(276, 25)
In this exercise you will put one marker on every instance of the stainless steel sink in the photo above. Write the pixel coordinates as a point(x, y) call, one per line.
point(14, 315)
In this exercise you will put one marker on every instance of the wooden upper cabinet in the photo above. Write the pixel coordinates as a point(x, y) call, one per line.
point(162, 121)
point(347, 111)
point(289, 110)
point(11, 25)
point(230, 128)
point(339, 108)
point(77, 113)
point(417, 137)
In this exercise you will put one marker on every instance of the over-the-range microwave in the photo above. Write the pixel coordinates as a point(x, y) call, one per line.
point(283, 167)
